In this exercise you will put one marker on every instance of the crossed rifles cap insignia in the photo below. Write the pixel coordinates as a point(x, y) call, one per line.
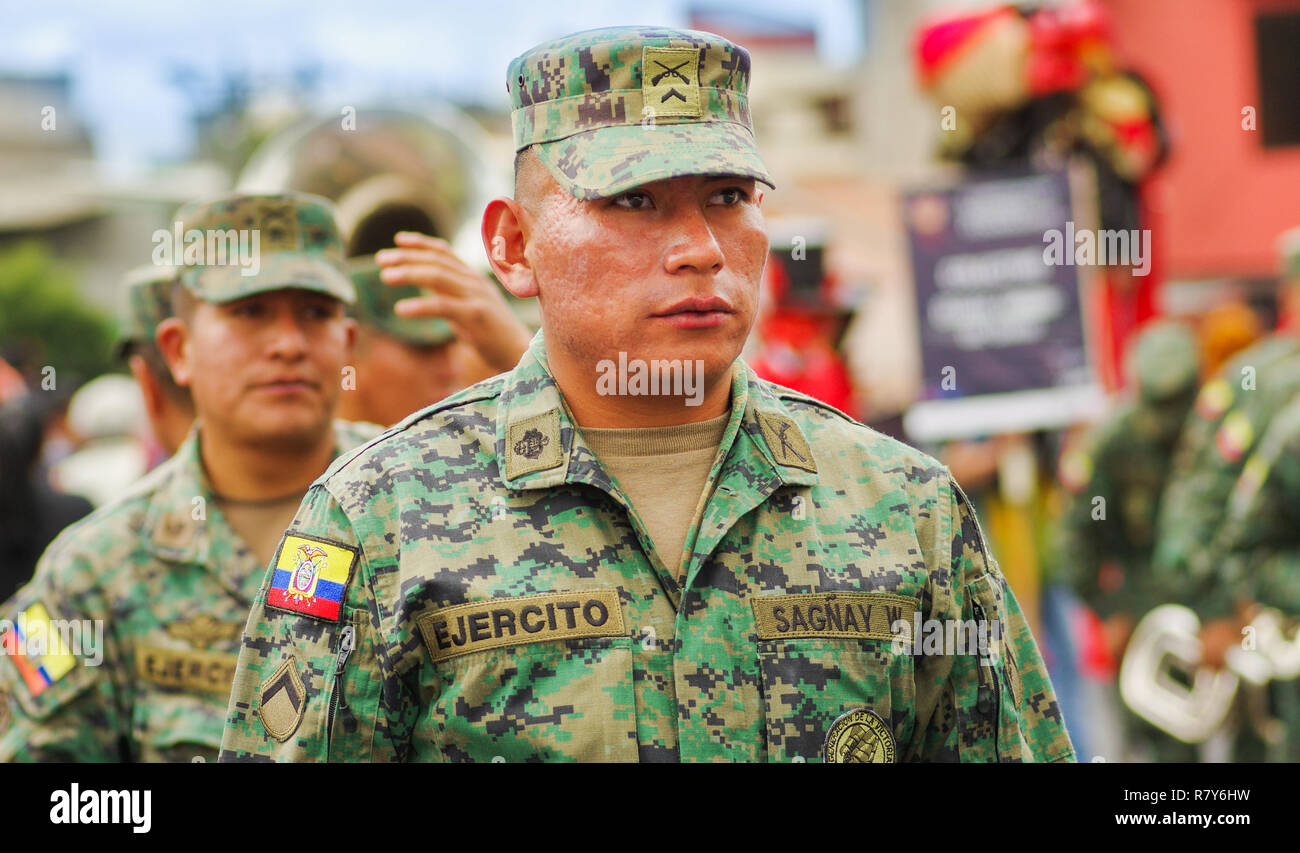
point(675, 71)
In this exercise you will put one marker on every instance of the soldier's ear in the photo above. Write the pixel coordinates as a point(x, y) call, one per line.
point(506, 226)
point(173, 339)
point(351, 332)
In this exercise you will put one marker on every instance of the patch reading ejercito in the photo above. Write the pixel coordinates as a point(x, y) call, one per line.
point(189, 670)
point(498, 622)
point(861, 615)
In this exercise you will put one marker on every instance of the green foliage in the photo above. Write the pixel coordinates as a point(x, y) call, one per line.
point(45, 319)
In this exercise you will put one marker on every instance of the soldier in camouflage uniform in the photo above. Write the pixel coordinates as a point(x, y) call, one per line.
point(1115, 480)
point(148, 292)
point(1255, 553)
point(494, 579)
point(1231, 412)
point(1259, 542)
point(168, 571)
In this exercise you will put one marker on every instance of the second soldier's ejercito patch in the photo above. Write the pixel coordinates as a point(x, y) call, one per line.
point(859, 737)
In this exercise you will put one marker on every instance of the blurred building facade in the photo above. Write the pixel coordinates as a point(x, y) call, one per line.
point(1228, 74)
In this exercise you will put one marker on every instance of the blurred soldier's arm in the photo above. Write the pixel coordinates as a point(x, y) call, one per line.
point(1089, 540)
point(59, 685)
point(999, 707)
point(1094, 555)
point(1187, 507)
point(316, 686)
point(471, 303)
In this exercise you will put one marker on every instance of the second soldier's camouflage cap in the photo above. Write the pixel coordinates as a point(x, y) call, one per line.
point(146, 302)
point(611, 109)
point(375, 301)
point(1165, 361)
point(256, 243)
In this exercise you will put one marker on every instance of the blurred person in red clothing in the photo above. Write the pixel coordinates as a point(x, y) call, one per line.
point(804, 321)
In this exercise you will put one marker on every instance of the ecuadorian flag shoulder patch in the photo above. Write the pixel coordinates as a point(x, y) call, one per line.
point(310, 576)
point(37, 649)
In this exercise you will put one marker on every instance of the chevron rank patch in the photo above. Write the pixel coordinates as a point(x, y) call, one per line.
point(670, 81)
point(282, 701)
point(310, 576)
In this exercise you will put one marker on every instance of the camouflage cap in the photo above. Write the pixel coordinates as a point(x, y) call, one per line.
point(243, 244)
point(147, 301)
point(1165, 360)
point(375, 301)
point(615, 108)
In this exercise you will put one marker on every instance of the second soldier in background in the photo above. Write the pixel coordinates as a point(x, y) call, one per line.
point(169, 570)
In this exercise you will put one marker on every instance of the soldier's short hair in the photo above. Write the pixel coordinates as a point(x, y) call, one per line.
point(157, 366)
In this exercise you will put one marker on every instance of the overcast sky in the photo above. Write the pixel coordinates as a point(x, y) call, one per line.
point(121, 55)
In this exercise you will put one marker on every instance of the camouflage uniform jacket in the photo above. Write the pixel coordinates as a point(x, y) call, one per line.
point(172, 583)
point(1229, 416)
point(502, 602)
point(1125, 461)
point(1259, 542)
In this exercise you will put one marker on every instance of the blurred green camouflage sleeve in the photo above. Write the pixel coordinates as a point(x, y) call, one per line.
point(1258, 547)
point(79, 715)
point(1082, 539)
point(1217, 439)
point(307, 688)
point(992, 704)
point(1102, 563)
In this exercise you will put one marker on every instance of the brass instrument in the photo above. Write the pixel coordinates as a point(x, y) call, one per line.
point(1163, 681)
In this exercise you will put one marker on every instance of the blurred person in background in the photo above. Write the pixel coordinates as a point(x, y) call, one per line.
point(1254, 557)
point(32, 512)
point(1257, 553)
point(168, 406)
point(1115, 477)
point(803, 317)
point(107, 419)
point(1224, 331)
point(11, 382)
point(455, 329)
point(173, 564)
point(1231, 412)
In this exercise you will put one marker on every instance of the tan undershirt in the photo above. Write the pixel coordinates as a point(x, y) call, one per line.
point(663, 472)
point(261, 523)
